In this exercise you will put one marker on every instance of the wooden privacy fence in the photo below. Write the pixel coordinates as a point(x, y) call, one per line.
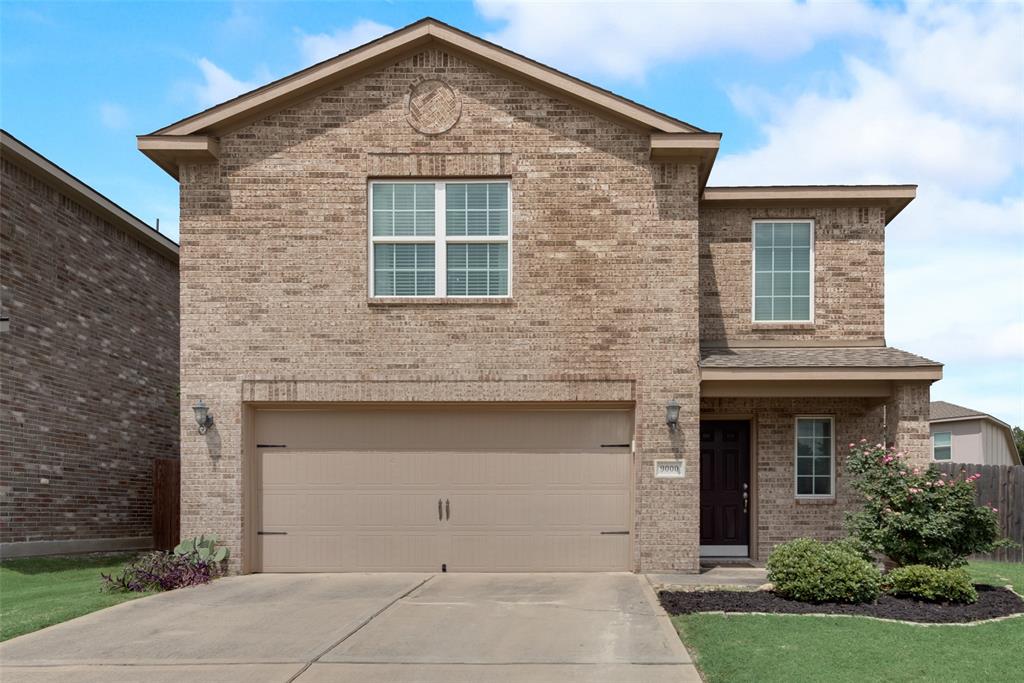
point(166, 503)
point(1002, 487)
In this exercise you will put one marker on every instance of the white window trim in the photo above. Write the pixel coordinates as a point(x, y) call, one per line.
point(950, 447)
point(439, 239)
point(796, 441)
point(753, 272)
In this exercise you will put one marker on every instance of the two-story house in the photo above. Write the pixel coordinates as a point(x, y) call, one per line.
point(452, 309)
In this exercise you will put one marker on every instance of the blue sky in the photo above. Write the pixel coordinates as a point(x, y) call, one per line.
point(804, 92)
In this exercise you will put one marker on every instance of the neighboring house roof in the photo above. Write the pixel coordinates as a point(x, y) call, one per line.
point(815, 363)
point(942, 411)
point(56, 177)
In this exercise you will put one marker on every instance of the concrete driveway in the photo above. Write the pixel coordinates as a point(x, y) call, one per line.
point(449, 628)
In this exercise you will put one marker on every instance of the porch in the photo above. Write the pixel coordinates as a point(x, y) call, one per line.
point(775, 427)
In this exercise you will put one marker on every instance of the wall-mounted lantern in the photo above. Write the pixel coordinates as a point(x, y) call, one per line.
point(203, 417)
point(672, 415)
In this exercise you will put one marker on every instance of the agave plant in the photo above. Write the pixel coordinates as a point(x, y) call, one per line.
point(203, 548)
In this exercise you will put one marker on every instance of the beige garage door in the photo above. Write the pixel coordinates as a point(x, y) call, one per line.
point(465, 489)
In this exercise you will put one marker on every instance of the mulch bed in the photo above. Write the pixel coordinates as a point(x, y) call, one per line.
point(992, 602)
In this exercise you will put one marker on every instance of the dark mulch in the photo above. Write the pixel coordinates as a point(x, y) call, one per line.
point(992, 602)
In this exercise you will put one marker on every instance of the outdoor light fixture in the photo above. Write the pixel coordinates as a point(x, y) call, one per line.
point(203, 417)
point(672, 415)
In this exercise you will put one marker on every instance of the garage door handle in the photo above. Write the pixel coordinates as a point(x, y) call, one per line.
point(440, 514)
point(271, 533)
point(447, 509)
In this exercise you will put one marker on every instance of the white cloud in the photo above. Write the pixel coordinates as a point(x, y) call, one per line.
point(218, 85)
point(938, 103)
point(321, 46)
point(113, 116)
point(625, 40)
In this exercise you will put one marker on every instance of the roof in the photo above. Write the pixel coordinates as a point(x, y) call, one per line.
point(941, 411)
point(227, 116)
point(893, 198)
point(876, 362)
point(33, 162)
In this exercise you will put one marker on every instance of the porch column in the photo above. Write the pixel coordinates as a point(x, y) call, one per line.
point(906, 420)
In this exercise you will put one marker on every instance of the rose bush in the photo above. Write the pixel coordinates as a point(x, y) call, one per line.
point(917, 515)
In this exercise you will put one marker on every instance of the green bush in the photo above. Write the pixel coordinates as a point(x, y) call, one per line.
point(917, 515)
point(812, 571)
point(921, 582)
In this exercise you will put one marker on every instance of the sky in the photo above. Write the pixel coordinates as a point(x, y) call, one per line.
point(804, 92)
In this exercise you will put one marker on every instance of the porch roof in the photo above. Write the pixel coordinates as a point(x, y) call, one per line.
point(816, 363)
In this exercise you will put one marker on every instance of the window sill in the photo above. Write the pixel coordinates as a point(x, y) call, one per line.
point(439, 301)
point(782, 326)
point(815, 501)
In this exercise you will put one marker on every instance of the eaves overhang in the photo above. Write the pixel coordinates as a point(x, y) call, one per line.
point(929, 373)
point(892, 198)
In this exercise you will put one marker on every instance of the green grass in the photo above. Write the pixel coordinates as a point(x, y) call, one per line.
point(36, 592)
point(739, 648)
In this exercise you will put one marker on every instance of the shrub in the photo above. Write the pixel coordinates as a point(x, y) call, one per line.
point(194, 561)
point(161, 571)
point(812, 571)
point(921, 582)
point(915, 515)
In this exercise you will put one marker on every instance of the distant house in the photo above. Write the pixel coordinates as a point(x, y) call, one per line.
point(966, 435)
point(88, 362)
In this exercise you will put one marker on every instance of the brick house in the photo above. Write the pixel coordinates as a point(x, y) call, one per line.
point(88, 362)
point(452, 309)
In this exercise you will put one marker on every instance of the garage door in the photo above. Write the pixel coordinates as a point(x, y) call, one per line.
point(431, 488)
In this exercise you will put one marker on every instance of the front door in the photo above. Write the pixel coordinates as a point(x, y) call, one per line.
point(724, 488)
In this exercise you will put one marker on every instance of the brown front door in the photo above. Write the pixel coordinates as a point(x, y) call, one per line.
point(724, 487)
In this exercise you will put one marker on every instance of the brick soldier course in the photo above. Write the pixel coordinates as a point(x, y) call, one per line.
point(89, 353)
point(622, 266)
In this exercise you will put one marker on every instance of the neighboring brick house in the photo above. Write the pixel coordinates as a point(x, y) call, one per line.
point(966, 435)
point(452, 309)
point(88, 362)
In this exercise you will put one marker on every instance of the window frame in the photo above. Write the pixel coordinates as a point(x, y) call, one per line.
point(440, 239)
point(950, 447)
point(753, 272)
point(832, 448)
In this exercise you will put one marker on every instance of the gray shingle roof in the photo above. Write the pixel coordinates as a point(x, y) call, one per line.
point(812, 357)
point(940, 410)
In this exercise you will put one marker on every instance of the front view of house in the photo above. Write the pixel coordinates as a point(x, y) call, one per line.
point(453, 310)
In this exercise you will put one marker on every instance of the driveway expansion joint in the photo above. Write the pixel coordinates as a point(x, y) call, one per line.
point(358, 628)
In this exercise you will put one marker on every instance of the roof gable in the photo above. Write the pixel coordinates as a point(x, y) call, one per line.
point(278, 94)
point(195, 139)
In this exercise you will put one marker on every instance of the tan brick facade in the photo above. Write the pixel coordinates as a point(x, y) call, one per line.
point(613, 285)
point(88, 396)
point(274, 277)
point(849, 277)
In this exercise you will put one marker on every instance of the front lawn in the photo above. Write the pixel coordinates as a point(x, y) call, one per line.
point(36, 592)
point(808, 648)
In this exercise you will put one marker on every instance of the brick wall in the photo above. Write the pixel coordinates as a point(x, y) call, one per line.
point(780, 516)
point(89, 369)
point(274, 275)
point(849, 287)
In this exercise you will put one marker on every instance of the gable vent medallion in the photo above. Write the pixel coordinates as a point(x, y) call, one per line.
point(432, 107)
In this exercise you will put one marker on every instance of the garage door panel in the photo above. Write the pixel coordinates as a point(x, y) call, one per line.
point(374, 508)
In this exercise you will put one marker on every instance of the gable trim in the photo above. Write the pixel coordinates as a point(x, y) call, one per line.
point(273, 96)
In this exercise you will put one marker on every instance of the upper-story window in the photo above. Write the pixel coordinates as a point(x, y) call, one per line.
point(439, 238)
point(783, 271)
point(942, 445)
